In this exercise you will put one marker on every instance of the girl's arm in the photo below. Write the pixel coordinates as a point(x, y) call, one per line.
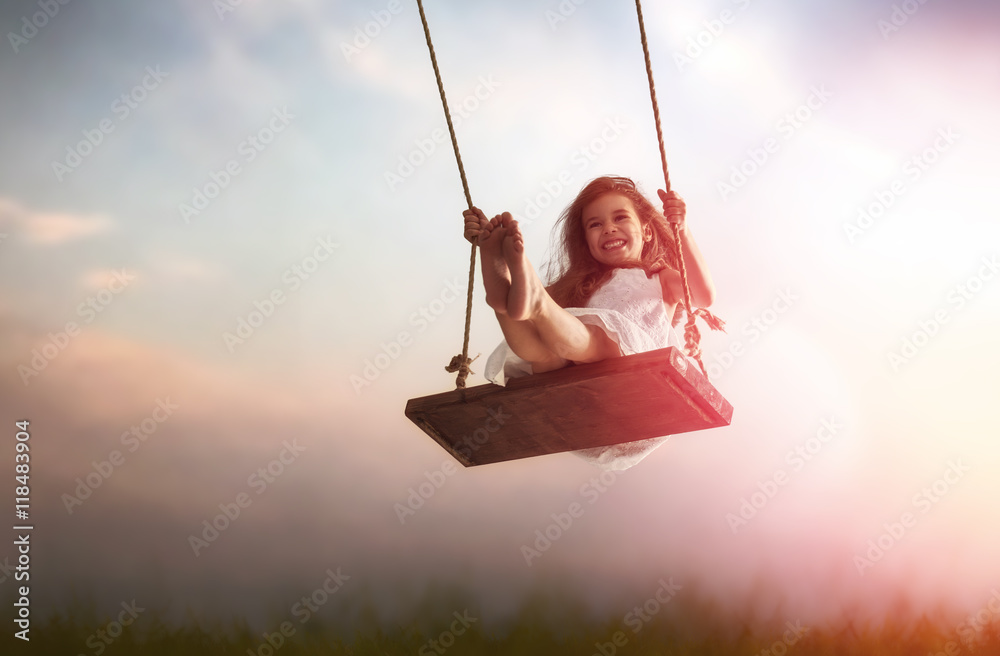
point(699, 278)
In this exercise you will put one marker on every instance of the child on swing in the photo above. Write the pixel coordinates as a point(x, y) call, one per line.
point(617, 289)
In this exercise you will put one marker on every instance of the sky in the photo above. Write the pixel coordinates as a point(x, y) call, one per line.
point(216, 218)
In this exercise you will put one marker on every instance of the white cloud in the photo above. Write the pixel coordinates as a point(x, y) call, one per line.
point(53, 229)
point(190, 270)
point(50, 228)
point(102, 278)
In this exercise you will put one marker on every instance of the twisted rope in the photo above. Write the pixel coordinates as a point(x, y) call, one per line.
point(692, 336)
point(461, 362)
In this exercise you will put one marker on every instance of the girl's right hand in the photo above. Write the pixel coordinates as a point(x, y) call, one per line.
point(674, 208)
point(475, 224)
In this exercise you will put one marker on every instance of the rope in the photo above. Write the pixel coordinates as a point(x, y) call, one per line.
point(652, 96)
point(692, 336)
point(459, 363)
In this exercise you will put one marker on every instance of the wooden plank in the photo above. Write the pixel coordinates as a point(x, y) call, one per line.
point(609, 402)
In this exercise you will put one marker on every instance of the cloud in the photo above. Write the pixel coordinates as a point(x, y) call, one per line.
point(50, 228)
point(187, 269)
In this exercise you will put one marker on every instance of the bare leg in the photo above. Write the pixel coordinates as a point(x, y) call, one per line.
point(524, 339)
point(535, 326)
point(521, 335)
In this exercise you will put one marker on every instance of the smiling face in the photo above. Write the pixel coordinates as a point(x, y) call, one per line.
point(615, 235)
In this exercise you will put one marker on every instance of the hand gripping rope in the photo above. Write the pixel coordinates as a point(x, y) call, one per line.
point(692, 336)
point(461, 362)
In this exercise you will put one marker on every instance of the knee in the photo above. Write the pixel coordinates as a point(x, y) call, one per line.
point(575, 348)
point(600, 346)
point(548, 364)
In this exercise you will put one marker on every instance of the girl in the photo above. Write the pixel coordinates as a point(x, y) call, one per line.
point(617, 290)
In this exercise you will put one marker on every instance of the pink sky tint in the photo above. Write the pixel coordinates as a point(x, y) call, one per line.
point(336, 504)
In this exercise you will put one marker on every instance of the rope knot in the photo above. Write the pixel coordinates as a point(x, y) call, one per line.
point(714, 322)
point(461, 365)
point(692, 341)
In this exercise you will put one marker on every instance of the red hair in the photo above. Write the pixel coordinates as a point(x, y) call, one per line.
point(576, 275)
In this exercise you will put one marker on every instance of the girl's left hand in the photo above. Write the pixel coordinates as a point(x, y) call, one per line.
point(674, 209)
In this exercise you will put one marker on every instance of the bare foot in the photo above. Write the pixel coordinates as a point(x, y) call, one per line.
point(496, 275)
point(525, 296)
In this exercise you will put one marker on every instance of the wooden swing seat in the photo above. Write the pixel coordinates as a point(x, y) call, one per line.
point(599, 404)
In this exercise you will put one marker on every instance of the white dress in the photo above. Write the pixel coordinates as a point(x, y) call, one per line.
point(630, 309)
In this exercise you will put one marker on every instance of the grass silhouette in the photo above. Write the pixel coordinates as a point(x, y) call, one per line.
point(547, 624)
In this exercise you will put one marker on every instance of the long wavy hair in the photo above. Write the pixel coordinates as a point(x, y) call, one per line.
point(574, 272)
